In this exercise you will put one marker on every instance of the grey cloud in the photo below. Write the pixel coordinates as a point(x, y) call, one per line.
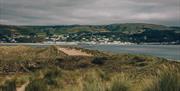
point(40, 12)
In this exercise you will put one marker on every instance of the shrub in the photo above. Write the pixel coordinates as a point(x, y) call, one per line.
point(51, 75)
point(37, 85)
point(94, 86)
point(8, 86)
point(138, 59)
point(166, 81)
point(120, 83)
point(99, 60)
point(119, 86)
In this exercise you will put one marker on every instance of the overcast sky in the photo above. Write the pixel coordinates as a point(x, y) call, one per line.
point(58, 12)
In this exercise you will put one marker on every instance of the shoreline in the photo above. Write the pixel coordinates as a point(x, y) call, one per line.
point(120, 47)
point(82, 43)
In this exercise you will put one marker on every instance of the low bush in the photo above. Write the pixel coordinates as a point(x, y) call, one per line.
point(120, 83)
point(168, 80)
point(9, 85)
point(37, 85)
point(99, 60)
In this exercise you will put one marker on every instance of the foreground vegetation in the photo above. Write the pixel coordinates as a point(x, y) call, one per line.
point(47, 69)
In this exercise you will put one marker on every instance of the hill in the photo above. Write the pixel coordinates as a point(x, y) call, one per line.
point(130, 32)
point(58, 29)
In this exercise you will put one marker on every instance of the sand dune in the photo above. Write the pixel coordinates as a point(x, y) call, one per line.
point(73, 52)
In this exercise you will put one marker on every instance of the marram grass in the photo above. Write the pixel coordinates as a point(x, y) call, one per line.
point(55, 71)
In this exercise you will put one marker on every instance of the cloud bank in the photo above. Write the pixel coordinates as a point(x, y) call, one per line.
point(58, 12)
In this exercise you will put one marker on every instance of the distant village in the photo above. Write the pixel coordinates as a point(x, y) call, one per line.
point(68, 39)
point(84, 38)
point(75, 38)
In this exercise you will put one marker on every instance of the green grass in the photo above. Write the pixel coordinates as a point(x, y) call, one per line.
point(120, 83)
point(9, 85)
point(51, 70)
point(167, 80)
point(37, 85)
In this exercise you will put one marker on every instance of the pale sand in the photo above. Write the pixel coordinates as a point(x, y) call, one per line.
point(23, 87)
point(73, 52)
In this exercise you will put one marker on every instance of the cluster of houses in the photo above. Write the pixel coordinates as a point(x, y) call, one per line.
point(69, 39)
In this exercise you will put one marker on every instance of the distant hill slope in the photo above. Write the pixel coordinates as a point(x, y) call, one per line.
point(129, 32)
point(135, 27)
point(129, 28)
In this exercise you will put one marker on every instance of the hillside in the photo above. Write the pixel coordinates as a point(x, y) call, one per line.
point(127, 28)
point(129, 32)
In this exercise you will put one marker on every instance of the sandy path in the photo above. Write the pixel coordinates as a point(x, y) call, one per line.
point(74, 52)
point(22, 88)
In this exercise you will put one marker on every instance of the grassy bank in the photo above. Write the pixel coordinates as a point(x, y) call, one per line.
point(47, 69)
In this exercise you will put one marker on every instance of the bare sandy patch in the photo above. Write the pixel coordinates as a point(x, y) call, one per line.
point(23, 87)
point(73, 52)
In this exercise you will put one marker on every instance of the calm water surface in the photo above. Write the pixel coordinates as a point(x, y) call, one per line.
point(165, 51)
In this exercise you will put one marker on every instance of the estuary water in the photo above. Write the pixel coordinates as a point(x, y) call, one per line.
point(165, 51)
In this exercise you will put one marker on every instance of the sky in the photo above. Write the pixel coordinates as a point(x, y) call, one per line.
point(89, 12)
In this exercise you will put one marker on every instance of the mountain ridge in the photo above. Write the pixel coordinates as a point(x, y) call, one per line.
point(118, 27)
